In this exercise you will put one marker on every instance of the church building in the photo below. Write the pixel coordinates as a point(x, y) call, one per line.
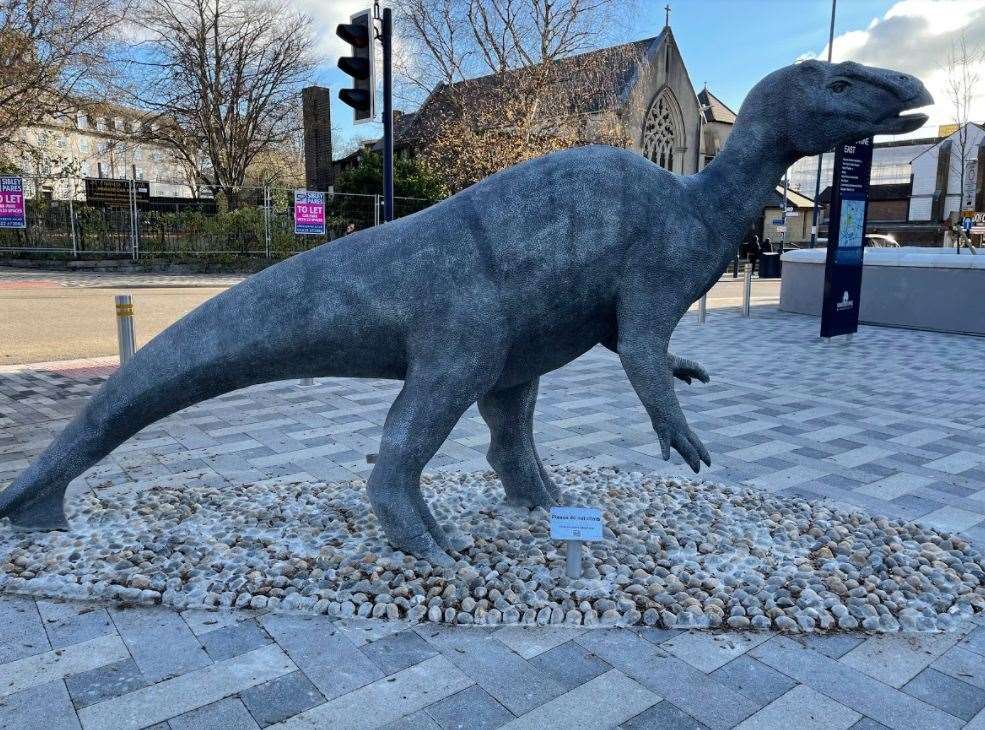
point(665, 120)
point(650, 93)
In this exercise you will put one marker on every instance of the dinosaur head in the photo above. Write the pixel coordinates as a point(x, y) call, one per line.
point(816, 106)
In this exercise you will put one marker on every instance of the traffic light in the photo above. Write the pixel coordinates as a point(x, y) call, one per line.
point(358, 33)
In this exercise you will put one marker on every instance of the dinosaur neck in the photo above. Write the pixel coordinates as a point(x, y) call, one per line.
point(737, 184)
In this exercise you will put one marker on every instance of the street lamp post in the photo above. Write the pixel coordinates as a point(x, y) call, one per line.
point(820, 157)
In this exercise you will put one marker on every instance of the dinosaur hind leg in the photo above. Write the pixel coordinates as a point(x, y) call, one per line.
point(509, 413)
point(428, 407)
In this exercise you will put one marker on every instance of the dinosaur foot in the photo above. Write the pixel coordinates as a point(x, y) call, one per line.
point(533, 494)
point(45, 514)
point(425, 547)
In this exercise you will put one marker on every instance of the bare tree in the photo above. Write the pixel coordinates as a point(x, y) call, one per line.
point(506, 81)
point(963, 78)
point(220, 81)
point(444, 41)
point(52, 63)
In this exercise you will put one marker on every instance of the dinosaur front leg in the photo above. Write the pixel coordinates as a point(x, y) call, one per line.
point(647, 318)
point(509, 413)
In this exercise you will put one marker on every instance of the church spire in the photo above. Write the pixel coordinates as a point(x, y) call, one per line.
point(667, 15)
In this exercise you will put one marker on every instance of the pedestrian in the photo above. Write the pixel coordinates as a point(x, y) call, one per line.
point(754, 251)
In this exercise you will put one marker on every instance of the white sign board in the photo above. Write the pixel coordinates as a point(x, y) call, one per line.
point(576, 523)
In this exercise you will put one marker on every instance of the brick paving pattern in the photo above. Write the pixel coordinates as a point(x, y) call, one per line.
point(893, 423)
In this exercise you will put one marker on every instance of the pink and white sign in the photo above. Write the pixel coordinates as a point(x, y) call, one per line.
point(309, 212)
point(12, 203)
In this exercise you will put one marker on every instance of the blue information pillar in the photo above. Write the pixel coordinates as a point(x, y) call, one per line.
point(846, 239)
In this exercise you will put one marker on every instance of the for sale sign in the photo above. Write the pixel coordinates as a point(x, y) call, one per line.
point(12, 203)
point(309, 212)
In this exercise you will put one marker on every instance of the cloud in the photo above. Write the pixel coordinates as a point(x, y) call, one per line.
point(915, 36)
point(325, 15)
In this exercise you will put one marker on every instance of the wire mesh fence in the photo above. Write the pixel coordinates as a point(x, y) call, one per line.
point(125, 219)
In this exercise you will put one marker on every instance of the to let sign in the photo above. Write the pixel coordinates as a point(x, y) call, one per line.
point(12, 203)
point(846, 239)
point(309, 212)
point(576, 523)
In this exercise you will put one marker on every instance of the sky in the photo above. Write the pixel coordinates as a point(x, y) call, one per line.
point(731, 44)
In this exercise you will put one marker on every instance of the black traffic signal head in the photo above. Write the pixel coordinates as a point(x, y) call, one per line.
point(355, 34)
point(358, 33)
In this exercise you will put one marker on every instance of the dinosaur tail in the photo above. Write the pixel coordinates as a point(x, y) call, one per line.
point(248, 334)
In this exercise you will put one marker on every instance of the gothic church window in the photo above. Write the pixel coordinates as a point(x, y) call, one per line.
point(661, 130)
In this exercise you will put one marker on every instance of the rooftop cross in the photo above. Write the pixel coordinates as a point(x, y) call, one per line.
point(667, 16)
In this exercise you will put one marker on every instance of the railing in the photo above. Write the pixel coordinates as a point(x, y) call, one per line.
point(244, 222)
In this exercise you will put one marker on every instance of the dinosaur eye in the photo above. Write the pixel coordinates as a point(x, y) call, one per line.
point(839, 86)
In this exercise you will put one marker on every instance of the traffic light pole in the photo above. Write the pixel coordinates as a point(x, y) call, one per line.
point(386, 40)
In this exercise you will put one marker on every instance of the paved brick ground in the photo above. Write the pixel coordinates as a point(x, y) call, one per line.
point(893, 422)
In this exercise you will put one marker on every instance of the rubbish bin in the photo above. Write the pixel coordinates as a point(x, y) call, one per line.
point(769, 266)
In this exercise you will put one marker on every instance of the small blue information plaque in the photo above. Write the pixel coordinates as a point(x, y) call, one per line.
point(576, 523)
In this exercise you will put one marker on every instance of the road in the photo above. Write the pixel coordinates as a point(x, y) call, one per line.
point(47, 316)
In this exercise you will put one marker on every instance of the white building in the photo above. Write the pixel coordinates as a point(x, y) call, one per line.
point(938, 173)
point(108, 143)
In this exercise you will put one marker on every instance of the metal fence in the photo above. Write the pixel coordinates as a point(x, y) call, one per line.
point(251, 222)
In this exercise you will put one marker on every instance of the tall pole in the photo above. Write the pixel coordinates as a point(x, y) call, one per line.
point(820, 157)
point(387, 42)
point(786, 191)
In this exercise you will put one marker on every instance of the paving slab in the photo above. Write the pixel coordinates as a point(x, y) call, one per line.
point(386, 700)
point(515, 683)
point(159, 641)
point(333, 663)
point(897, 658)
point(227, 714)
point(44, 706)
point(188, 692)
point(528, 641)
point(59, 663)
point(701, 696)
point(855, 690)
point(281, 698)
point(570, 664)
point(471, 709)
point(805, 709)
point(21, 629)
point(608, 700)
point(707, 652)
point(72, 623)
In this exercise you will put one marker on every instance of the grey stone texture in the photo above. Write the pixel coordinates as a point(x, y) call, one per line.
point(473, 299)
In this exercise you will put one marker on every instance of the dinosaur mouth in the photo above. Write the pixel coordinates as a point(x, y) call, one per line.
point(901, 122)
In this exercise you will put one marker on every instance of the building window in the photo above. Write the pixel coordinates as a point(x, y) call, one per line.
point(100, 124)
point(81, 120)
point(119, 124)
point(662, 130)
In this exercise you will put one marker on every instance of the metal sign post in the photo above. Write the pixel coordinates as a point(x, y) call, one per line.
point(575, 525)
point(846, 239)
point(386, 40)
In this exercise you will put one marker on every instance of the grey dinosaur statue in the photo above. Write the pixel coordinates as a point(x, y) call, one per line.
point(473, 299)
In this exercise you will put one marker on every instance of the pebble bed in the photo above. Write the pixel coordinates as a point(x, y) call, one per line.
point(677, 553)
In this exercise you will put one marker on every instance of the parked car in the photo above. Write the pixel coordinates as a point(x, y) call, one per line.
point(872, 240)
